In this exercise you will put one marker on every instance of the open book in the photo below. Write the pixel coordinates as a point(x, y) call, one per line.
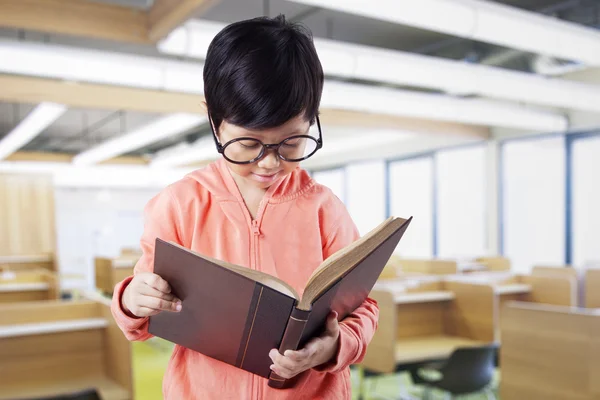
point(237, 315)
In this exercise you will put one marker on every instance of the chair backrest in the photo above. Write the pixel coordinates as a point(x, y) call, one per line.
point(469, 369)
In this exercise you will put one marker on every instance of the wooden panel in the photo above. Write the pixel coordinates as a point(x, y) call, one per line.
point(103, 271)
point(511, 391)
point(27, 211)
point(565, 270)
point(76, 17)
point(29, 295)
point(436, 267)
point(546, 352)
point(420, 319)
point(121, 273)
point(26, 277)
point(88, 95)
point(24, 371)
point(551, 289)
point(117, 352)
point(47, 344)
point(108, 389)
point(48, 364)
point(108, 275)
point(381, 121)
point(45, 311)
point(592, 288)
point(27, 262)
point(495, 263)
point(380, 351)
point(474, 312)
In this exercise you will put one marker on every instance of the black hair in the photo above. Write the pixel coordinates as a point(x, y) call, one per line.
point(260, 73)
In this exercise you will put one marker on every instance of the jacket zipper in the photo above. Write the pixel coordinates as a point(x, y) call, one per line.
point(255, 227)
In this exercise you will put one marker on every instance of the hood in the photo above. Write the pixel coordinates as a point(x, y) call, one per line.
point(217, 179)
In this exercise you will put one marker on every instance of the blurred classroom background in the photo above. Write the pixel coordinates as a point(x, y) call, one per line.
point(479, 118)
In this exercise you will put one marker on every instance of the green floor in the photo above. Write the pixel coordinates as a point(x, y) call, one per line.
point(150, 361)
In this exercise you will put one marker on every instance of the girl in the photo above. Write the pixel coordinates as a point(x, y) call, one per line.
point(254, 207)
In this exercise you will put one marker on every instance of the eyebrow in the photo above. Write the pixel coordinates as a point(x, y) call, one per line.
point(255, 135)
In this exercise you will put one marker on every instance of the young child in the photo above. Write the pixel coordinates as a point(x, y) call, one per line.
point(254, 207)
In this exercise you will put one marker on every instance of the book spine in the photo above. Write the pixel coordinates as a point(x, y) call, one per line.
point(290, 341)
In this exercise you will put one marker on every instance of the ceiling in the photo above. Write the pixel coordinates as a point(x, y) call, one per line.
point(80, 129)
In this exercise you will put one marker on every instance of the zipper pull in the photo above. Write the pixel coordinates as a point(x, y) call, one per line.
point(255, 228)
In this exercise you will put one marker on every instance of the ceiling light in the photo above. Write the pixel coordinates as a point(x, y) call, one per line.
point(155, 131)
point(32, 125)
point(483, 21)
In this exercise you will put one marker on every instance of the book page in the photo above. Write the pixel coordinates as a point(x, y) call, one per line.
point(344, 260)
point(261, 277)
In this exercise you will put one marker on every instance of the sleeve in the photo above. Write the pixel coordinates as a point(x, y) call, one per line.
point(162, 219)
point(357, 329)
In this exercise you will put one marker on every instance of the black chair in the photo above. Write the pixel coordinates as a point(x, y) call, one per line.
point(88, 394)
point(467, 370)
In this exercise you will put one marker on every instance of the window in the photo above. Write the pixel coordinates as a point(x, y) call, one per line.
point(461, 202)
point(365, 194)
point(533, 199)
point(585, 201)
point(411, 194)
point(333, 179)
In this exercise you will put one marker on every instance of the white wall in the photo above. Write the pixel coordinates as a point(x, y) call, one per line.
point(94, 222)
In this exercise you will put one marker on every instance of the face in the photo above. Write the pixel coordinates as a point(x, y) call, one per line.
point(270, 168)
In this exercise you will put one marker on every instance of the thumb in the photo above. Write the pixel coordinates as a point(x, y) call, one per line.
point(333, 326)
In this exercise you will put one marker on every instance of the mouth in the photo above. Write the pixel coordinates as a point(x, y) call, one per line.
point(265, 178)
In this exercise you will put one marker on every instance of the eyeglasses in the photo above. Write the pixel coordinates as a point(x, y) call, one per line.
point(246, 150)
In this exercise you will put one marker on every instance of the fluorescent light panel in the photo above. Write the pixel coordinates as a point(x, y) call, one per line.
point(432, 106)
point(382, 65)
point(86, 65)
point(34, 123)
point(202, 149)
point(150, 133)
point(483, 21)
point(513, 116)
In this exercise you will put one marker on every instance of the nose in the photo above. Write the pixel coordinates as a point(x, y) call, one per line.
point(270, 160)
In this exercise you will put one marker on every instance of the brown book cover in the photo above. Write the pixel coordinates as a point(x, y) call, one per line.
point(265, 312)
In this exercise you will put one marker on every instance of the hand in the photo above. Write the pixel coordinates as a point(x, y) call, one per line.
point(319, 350)
point(148, 294)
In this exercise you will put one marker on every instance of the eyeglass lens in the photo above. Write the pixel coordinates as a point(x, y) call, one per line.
point(293, 148)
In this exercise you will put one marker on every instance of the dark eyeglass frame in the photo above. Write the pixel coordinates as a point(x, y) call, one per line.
point(265, 147)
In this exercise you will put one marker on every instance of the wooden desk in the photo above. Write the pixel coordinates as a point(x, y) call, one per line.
point(549, 353)
point(54, 347)
point(27, 262)
point(110, 271)
point(28, 285)
point(592, 288)
point(428, 321)
point(429, 348)
point(513, 288)
point(494, 263)
point(425, 266)
point(422, 297)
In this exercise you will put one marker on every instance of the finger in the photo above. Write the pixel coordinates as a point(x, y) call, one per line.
point(157, 283)
point(159, 304)
point(141, 311)
point(297, 355)
point(150, 291)
point(311, 348)
point(282, 361)
point(333, 326)
point(282, 371)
